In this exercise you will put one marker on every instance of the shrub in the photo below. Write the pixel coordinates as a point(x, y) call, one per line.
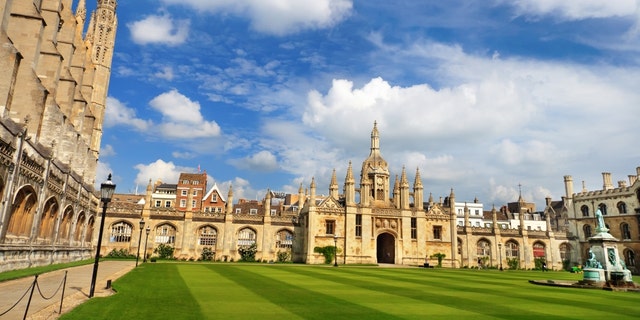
point(248, 253)
point(122, 253)
point(327, 251)
point(513, 263)
point(207, 254)
point(438, 256)
point(284, 256)
point(164, 251)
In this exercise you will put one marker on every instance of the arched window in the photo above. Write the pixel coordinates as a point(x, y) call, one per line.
point(246, 237)
point(208, 236)
point(165, 233)
point(585, 210)
point(284, 239)
point(622, 207)
point(603, 208)
point(511, 249)
point(484, 248)
point(538, 250)
point(629, 258)
point(587, 231)
point(120, 232)
point(565, 251)
point(625, 231)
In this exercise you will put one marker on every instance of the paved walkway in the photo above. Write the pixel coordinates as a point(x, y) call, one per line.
point(76, 291)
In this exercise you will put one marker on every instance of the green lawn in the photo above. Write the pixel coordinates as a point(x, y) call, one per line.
point(258, 291)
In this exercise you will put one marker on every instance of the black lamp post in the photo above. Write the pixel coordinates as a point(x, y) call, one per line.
point(107, 189)
point(145, 244)
point(140, 240)
point(500, 254)
point(335, 249)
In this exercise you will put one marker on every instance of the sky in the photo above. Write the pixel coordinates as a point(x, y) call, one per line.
point(492, 98)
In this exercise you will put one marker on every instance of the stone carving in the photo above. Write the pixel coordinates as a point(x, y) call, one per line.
point(592, 262)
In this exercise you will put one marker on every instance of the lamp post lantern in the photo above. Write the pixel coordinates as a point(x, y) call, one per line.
point(145, 244)
point(140, 240)
point(500, 254)
point(335, 249)
point(107, 189)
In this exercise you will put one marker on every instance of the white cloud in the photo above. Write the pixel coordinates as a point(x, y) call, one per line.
point(159, 29)
point(263, 161)
point(278, 17)
point(107, 151)
point(522, 120)
point(181, 117)
point(575, 9)
point(117, 113)
point(165, 73)
point(166, 172)
point(103, 170)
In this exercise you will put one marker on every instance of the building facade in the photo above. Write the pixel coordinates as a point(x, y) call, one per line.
point(620, 207)
point(381, 220)
point(53, 89)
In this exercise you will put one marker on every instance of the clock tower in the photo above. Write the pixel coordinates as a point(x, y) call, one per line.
point(374, 178)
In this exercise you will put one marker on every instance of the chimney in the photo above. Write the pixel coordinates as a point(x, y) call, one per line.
point(622, 184)
point(606, 181)
point(632, 179)
point(548, 200)
point(568, 186)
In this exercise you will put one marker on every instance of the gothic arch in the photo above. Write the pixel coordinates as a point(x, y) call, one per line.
point(65, 225)
point(539, 250)
point(89, 233)
point(120, 231)
point(386, 247)
point(207, 235)
point(80, 227)
point(166, 233)
point(512, 249)
point(284, 239)
point(47, 227)
point(246, 236)
point(23, 211)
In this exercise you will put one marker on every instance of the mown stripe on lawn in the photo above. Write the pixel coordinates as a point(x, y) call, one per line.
point(455, 296)
point(221, 298)
point(298, 299)
point(150, 291)
point(587, 303)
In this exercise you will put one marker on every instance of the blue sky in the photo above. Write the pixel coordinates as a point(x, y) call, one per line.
point(481, 96)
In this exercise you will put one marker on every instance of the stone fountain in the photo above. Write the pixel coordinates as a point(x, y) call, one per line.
point(604, 266)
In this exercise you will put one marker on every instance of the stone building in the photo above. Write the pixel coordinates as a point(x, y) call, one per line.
point(620, 207)
point(53, 88)
point(382, 220)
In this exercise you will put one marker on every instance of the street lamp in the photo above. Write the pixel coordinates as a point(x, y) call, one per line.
point(500, 254)
point(140, 240)
point(145, 244)
point(107, 189)
point(335, 249)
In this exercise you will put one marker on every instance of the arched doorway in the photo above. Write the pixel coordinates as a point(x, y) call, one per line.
point(386, 248)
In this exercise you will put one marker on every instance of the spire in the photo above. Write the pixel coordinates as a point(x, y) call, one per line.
point(418, 182)
point(404, 182)
point(375, 137)
point(81, 12)
point(349, 177)
point(333, 187)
